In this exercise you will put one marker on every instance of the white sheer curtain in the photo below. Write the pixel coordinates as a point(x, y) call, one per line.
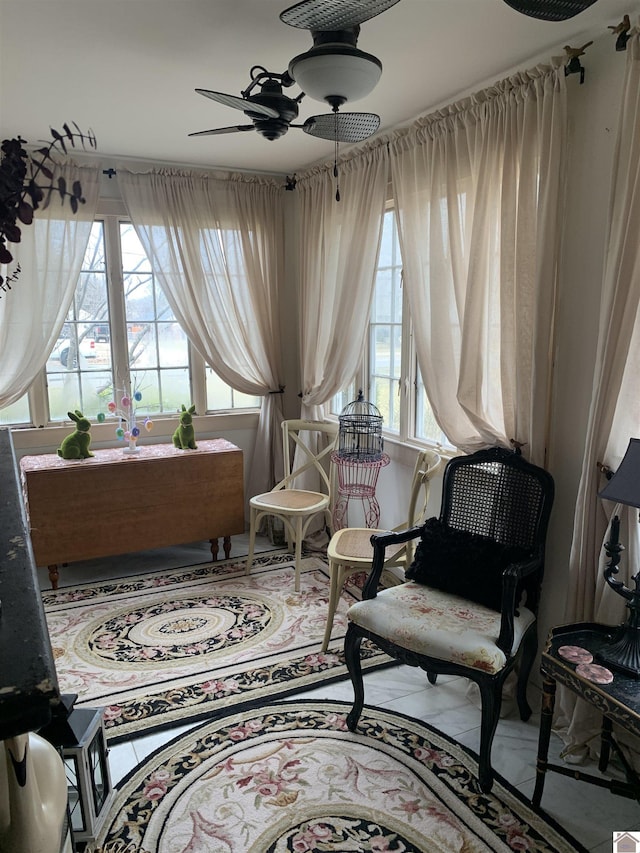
point(339, 244)
point(216, 248)
point(50, 255)
point(615, 407)
point(479, 190)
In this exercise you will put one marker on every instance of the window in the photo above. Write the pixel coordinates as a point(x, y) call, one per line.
point(119, 331)
point(389, 370)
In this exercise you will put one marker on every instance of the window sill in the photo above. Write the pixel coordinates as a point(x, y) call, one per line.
point(31, 440)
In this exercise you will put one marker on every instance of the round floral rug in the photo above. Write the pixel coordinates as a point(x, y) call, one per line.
point(290, 777)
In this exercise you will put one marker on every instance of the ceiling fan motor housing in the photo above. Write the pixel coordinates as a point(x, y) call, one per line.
point(271, 96)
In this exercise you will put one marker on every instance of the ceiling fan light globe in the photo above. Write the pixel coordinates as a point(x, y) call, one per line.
point(336, 73)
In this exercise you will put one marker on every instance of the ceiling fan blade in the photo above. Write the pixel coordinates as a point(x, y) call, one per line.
point(333, 14)
point(220, 130)
point(342, 127)
point(550, 10)
point(238, 103)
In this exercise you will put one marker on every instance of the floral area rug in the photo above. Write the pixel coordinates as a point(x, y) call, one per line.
point(169, 647)
point(290, 777)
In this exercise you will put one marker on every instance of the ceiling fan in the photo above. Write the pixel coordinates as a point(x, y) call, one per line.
point(272, 112)
point(334, 71)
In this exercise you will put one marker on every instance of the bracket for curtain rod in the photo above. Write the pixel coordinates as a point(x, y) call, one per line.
point(621, 30)
point(604, 469)
point(573, 65)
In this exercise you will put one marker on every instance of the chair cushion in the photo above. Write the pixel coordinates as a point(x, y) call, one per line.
point(291, 500)
point(440, 625)
point(462, 563)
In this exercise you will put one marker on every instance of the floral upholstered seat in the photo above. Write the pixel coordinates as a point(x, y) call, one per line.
point(439, 624)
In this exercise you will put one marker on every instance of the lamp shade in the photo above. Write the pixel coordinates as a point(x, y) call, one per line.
point(624, 486)
point(336, 73)
point(550, 10)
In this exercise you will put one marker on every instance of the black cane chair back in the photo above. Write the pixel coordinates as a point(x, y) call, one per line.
point(496, 493)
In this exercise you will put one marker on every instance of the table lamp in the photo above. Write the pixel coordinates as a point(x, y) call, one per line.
point(623, 653)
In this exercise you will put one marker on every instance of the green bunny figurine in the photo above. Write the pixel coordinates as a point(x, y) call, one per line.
point(76, 445)
point(185, 437)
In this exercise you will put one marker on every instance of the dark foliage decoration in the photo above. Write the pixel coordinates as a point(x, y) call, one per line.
point(27, 183)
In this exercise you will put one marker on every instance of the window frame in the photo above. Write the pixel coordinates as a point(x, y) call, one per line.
point(112, 214)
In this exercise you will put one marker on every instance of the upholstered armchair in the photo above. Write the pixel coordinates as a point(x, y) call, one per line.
point(470, 600)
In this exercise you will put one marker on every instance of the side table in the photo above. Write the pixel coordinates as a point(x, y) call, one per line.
point(618, 701)
point(117, 503)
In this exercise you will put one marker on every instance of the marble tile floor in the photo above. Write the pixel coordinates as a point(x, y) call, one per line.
point(590, 813)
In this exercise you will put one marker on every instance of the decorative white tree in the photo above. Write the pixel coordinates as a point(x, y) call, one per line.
point(127, 429)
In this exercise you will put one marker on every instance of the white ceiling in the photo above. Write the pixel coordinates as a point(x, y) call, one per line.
point(128, 68)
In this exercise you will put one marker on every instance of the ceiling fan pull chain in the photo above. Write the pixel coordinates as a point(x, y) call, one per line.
point(335, 155)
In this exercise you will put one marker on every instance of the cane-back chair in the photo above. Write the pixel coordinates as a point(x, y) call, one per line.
point(307, 448)
point(470, 600)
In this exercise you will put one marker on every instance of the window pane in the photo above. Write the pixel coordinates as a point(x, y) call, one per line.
point(157, 346)
point(426, 426)
point(385, 329)
point(388, 242)
point(385, 399)
point(343, 398)
point(162, 390)
point(222, 396)
point(79, 369)
point(16, 413)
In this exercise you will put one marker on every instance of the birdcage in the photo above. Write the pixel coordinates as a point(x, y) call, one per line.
point(360, 432)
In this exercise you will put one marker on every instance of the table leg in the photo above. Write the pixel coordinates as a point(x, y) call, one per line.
point(605, 743)
point(227, 546)
point(54, 575)
point(214, 549)
point(546, 718)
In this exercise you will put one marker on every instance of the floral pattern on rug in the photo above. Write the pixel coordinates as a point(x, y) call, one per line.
point(163, 649)
point(291, 777)
point(172, 630)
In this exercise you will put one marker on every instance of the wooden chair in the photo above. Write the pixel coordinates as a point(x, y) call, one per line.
point(350, 549)
point(298, 507)
point(469, 605)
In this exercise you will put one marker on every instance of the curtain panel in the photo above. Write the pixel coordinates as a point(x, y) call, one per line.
point(339, 245)
point(479, 194)
point(614, 415)
point(50, 255)
point(216, 248)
